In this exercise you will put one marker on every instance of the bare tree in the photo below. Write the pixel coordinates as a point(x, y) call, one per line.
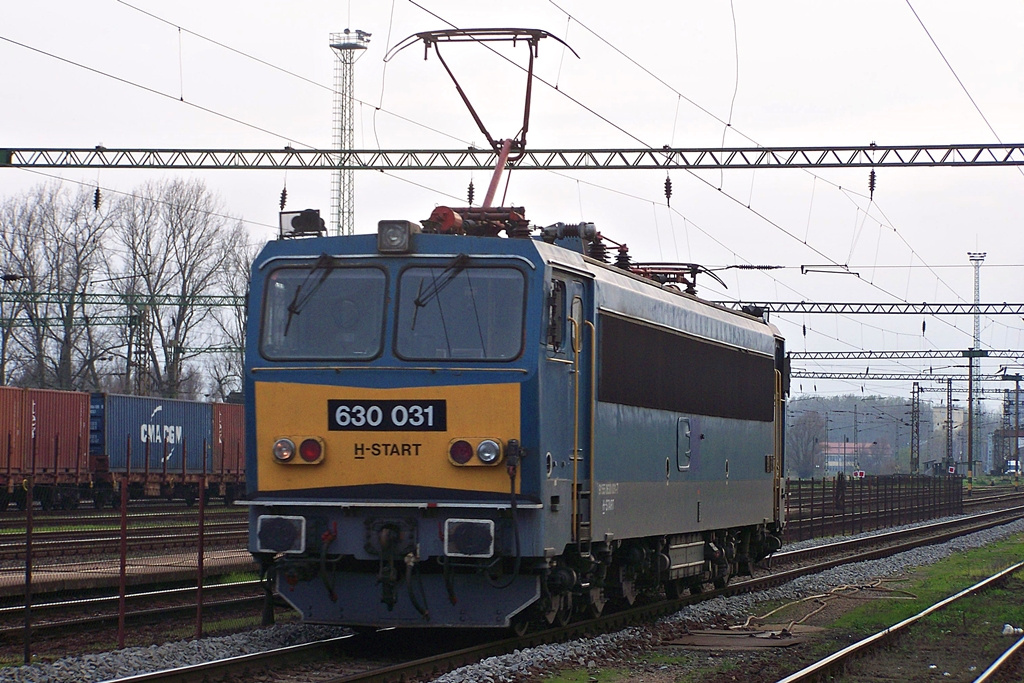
point(172, 233)
point(804, 442)
point(53, 242)
point(236, 261)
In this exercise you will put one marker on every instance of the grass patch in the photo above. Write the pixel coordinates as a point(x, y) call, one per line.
point(233, 577)
point(935, 582)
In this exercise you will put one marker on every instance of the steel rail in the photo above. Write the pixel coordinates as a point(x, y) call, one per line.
point(943, 530)
point(111, 545)
point(820, 669)
point(63, 626)
point(997, 666)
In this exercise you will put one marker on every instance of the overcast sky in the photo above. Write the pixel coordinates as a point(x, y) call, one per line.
point(649, 73)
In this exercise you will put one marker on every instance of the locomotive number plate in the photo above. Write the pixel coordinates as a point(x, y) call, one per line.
point(387, 416)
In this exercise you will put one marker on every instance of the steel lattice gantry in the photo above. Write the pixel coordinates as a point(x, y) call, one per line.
point(537, 159)
point(891, 376)
point(877, 308)
point(895, 355)
point(115, 299)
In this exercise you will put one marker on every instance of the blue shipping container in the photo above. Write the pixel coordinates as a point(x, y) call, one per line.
point(168, 427)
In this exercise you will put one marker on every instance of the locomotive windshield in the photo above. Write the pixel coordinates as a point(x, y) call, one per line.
point(325, 314)
point(460, 312)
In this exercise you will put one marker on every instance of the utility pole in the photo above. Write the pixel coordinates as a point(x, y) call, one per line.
point(345, 45)
point(1016, 433)
point(915, 429)
point(949, 423)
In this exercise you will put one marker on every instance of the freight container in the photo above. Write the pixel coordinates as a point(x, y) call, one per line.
point(162, 434)
point(229, 449)
point(11, 466)
point(56, 435)
point(44, 433)
point(158, 444)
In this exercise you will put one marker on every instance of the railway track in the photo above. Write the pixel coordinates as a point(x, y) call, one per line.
point(40, 520)
point(81, 543)
point(856, 660)
point(348, 653)
point(60, 618)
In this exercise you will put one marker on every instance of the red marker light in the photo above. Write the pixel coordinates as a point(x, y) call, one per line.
point(310, 450)
point(460, 452)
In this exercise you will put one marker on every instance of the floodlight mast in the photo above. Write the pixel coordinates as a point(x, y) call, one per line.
point(346, 46)
point(509, 149)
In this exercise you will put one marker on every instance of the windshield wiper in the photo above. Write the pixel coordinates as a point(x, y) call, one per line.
point(443, 280)
point(326, 264)
point(446, 277)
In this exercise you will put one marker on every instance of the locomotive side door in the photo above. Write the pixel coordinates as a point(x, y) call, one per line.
point(583, 342)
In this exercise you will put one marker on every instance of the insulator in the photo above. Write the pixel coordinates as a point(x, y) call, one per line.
point(598, 250)
point(96, 199)
point(668, 191)
point(805, 330)
point(518, 230)
point(284, 197)
point(470, 192)
point(923, 324)
point(871, 183)
point(622, 258)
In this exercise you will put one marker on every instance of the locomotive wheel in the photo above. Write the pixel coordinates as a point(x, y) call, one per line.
point(520, 625)
point(595, 604)
point(674, 589)
point(563, 615)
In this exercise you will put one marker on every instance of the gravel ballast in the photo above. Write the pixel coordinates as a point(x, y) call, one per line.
point(512, 667)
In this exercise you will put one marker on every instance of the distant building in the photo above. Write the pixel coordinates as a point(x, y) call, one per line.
point(846, 456)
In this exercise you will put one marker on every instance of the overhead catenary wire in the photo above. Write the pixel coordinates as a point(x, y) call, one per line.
point(684, 219)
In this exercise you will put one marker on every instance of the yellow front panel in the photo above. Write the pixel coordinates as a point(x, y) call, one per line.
point(352, 458)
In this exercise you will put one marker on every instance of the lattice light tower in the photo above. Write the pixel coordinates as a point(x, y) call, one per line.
point(346, 45)
point(977, 258)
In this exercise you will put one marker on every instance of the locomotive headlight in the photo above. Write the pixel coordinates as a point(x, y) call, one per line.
point(395, 237)
point(488, 451)
point(284, 450)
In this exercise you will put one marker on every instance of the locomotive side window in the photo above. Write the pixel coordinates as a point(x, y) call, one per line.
point(327, 314)
point(460, 312)
point(556, 315)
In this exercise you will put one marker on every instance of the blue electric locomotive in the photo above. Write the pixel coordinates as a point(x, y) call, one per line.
point(450, 428)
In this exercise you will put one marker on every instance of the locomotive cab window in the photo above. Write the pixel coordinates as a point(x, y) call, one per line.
point(323, 313)
point(460, 312)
